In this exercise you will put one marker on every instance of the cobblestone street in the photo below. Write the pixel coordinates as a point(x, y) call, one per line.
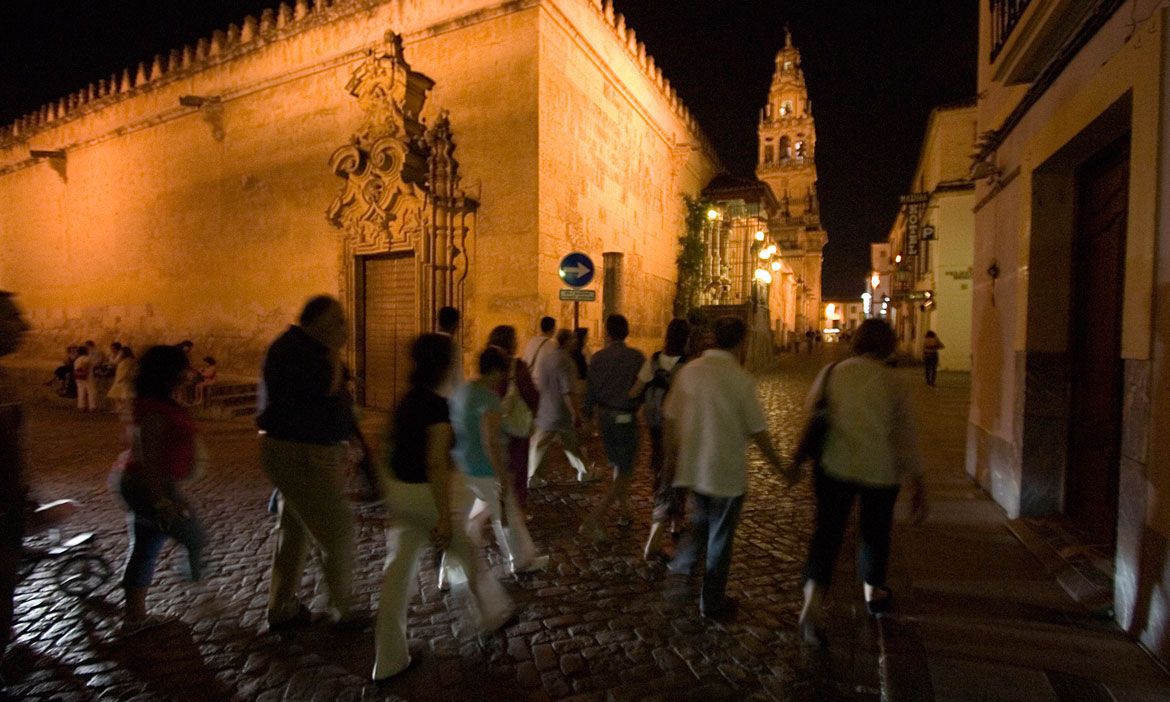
point(597, 624)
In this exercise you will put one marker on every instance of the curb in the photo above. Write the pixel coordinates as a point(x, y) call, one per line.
point(902, 666)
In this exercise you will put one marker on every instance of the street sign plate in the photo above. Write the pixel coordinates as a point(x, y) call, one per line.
point(573, 295)
point(576, 270)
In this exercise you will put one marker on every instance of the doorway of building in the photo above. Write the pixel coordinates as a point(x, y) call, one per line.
point(389, 323)
point(1098, 270)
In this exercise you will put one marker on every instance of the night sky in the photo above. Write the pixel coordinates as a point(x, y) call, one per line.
point(874, 69)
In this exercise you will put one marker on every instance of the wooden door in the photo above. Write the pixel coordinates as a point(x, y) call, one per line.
point(1096, 367)
point(389, 327)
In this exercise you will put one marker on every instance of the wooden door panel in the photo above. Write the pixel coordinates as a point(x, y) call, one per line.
point(389, 314)
point(1095, 348)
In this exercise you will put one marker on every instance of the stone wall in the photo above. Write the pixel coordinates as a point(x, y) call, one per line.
point(618, 152)
point(167, 221)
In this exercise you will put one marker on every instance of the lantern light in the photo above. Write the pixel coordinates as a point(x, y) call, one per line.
point(775, 265)
point(760, 235)
point(763, 276)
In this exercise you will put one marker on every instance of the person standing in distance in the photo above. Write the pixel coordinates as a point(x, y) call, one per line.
point(711, 413)
point(305, 417)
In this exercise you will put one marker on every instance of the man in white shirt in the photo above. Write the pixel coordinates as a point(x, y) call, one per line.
point(711, 413)
point(540, 345)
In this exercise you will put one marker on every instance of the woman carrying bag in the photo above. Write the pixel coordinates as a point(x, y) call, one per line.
point(863, 444)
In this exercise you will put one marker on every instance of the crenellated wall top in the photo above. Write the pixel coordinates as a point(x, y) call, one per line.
point(222, 46)
point(252, 34)
point(637, 51)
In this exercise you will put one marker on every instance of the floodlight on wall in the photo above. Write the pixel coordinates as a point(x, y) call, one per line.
point(776, 265)
point(712, 213)
point(760, 236)
point(196, 100)
point(40, 153)
point(763, 276)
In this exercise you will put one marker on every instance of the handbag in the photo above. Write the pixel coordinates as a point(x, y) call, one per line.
point(811, 445)
point(515, 416)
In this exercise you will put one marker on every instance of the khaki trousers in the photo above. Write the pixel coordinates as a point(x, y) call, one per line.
point(311, 481)
point(413, 515)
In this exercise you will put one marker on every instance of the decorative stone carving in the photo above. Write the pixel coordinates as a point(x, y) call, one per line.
point(401, 189)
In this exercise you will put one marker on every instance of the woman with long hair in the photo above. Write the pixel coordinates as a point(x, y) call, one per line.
point(518, 384)
point(868, 450)
point(420, 497)
point(164, 450)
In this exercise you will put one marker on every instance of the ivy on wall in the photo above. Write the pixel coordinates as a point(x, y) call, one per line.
point(691, 255)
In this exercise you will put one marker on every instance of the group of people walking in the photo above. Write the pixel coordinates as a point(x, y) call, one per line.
point(461, 455)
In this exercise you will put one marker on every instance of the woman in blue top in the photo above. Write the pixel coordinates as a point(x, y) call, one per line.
point(475, 418)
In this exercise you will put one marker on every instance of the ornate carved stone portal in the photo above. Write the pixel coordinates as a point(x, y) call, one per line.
point(401, 182)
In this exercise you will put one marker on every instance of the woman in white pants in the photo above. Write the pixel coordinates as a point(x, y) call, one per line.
point(419, 498)
point(475, 419)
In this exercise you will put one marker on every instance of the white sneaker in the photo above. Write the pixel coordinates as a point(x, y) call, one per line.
point(589, 476)
point(537, 563)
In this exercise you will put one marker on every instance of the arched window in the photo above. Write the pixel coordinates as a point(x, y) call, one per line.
point(769, 153)
point(783, 151)
point(800, 149)
point(786, 108)
point(787, 65)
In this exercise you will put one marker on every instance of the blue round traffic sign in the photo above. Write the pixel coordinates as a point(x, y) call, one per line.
point(576, 270)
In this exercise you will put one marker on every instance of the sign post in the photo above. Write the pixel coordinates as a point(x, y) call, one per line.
point(576, 270)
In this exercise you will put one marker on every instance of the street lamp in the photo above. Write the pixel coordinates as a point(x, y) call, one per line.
point(763, 276)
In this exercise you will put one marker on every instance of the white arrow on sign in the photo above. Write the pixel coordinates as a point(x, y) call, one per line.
point(578, 271)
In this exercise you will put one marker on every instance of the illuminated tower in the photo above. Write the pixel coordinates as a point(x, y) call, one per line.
point(787, 163)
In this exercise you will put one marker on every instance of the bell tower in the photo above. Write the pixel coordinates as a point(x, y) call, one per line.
point(786, 162)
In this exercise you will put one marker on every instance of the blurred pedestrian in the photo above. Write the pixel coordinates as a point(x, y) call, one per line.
point(870, 447)
point(13, 492)
point(205, 378)
point(164, 450)
point(305, 417)
point(422, 504)
point(557, 415)
point(654, 381)
point(448, 321)
point(711, 413)
point(581, 358)
point(931, 345)
point(479, 438)
point(83, 376)
point(540, 344)
point(122, 389)
point(613, 374)
point(519, 401)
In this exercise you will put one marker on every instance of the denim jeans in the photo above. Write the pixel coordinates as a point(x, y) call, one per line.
point(148, 534)
point(712, 527)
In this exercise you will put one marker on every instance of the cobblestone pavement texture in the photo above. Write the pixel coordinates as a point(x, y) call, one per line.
point(597, 624)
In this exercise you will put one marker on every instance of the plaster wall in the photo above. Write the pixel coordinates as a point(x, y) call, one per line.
point(1116, 84)
point(616, 158)
point(951, 253)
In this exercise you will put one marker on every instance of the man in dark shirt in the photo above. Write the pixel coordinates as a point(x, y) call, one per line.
point(612, 374)
point(304, 417)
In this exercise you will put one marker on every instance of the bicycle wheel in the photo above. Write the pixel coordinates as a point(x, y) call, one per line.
point(81, 575)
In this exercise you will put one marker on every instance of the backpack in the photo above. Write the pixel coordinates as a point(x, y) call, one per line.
point(654, 395)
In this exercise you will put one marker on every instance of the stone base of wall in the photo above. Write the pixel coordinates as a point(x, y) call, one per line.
point(994, 463)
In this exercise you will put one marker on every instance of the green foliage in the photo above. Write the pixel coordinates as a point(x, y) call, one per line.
point(691, 255)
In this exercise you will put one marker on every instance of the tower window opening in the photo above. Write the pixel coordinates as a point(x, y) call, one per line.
point(769, 153)
point(784, 148)
point(788, 65)
point(786, 108)
point(800, 149)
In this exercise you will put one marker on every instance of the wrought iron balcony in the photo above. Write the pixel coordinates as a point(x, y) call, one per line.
point(1005, 14)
